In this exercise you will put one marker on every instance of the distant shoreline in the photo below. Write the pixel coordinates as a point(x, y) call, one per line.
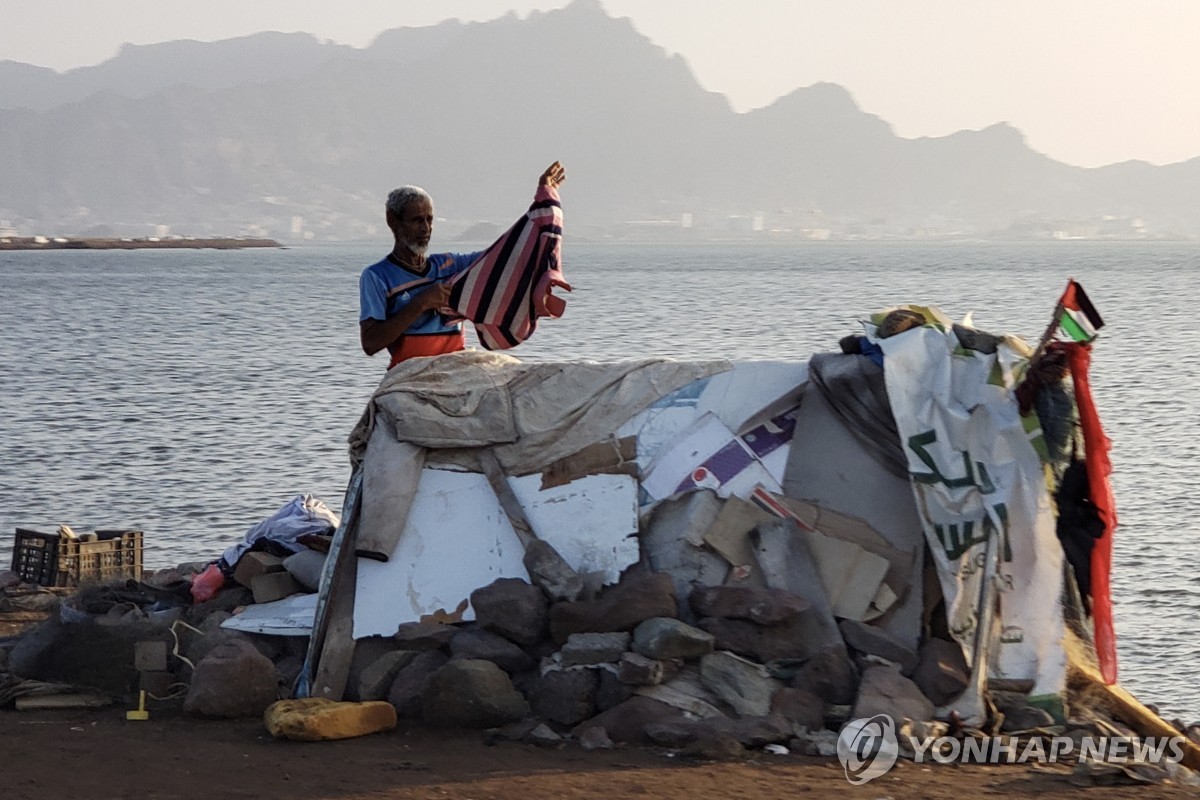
point(85, 243)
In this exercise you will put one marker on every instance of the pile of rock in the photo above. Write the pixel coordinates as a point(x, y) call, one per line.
point(750, 666)
point(753, 670)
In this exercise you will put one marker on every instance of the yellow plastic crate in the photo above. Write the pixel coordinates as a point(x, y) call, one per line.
point(49, 559)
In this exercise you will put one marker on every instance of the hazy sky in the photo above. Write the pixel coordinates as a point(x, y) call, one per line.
point(1088, 81)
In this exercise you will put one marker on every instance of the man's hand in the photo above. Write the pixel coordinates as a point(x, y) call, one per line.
point(433, 298)
point(554, 175)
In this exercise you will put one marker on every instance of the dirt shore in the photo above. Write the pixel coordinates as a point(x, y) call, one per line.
point(99, 755)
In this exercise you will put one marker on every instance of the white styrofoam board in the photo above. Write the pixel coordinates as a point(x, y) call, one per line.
point(457, 539)
point(291, 616)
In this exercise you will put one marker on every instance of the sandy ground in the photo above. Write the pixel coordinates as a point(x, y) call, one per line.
point(99, 755)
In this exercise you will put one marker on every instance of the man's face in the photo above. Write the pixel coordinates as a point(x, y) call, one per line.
point(415, 225)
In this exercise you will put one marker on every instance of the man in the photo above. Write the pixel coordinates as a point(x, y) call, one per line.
point(400, 296)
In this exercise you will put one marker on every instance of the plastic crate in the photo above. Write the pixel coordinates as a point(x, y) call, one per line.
point(49, 559)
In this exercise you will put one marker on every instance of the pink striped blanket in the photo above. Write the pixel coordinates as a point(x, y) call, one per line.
point(508, 287)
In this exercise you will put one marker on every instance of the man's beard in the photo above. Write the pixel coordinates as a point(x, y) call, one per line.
point(418, 250)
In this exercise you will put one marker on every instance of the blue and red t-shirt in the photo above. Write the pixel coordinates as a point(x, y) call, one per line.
point(386, 287)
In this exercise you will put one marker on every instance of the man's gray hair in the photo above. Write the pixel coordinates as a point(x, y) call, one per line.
point(398, 199)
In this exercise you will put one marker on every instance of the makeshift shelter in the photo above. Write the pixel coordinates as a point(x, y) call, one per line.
point(907, 506)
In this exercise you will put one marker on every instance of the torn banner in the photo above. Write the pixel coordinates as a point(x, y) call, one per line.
point(975, 475)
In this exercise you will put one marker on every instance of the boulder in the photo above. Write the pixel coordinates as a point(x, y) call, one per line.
point(375, 680)
point(316, 719)
point(565, 696)
point(884, 690)
point(234, 680)
point(664, 637)
point(800, 707)
point(405, 692)
point(477, 643)
point(749, 731)
point(227, 599)
point(830, 675)
point(424, 635)
point(873, 641)
point(610, 690)
point(512, 608)
point(621, 607)
point(306, 567)
point(637, 670)
point(941, 672)
point(626, 723)
point(471, 694)
point(583, 649)
point(744, 686)
point(762, 606)
point(788, 640)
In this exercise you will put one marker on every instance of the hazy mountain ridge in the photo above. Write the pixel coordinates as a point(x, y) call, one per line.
point(283, 135)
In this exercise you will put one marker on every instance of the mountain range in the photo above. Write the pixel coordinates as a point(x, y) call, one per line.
point(287, 136)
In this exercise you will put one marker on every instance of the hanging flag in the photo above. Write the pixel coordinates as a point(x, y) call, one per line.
point(1078, 318)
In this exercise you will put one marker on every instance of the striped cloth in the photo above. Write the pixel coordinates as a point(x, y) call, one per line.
point(506, 289)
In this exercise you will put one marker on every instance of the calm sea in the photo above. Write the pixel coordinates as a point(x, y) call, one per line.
point(191, 393)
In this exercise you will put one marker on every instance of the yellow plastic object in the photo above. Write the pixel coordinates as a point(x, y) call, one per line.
point(141, 713)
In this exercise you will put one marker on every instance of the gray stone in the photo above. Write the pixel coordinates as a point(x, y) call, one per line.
point(941, 672)
point(512, 608)
point(762, 606)
point(793, 639)
point(672, 542)
point(687, 692)
point(884, 690)
point(376, 679)
point(424, 635)
point(306, 567)
point(513, 731)
point(477, 643)
point(622, 607)
point(749, 731)
point(287, 670)
point(405, 692)
point(626, 723)
point(610, 690)
point(815, 743)
point(674, 732)
point(8, 578)
point(742, 685)
point(804, 710)
point(755, 731)
point(234, 680)
point(227, 599)
point(542, 736)
point(565, 696)
point(637, 670)
point(869, 640)
point(582, 649)
point(595, 738)
point(714, 746)
point(787, 563)
point(471, 694)
point(661, 638)
point(830, 675)
point(195, 646)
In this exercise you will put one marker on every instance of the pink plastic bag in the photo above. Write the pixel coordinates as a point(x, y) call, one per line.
point(206, 585)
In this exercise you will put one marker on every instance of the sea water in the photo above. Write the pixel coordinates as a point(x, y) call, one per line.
point(191, 393)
